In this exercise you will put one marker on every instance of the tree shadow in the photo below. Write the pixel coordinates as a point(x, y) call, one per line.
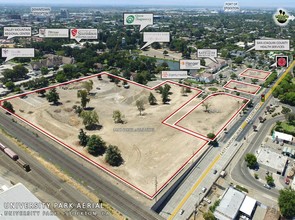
point(99, 152)
point(56, 104)
point(89, 108)
point(94, 127)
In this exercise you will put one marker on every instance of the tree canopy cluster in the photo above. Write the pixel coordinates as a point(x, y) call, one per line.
point(97, 147)
point(18, 72)
point(285, 91)
point(251, 160)
point(287, 202)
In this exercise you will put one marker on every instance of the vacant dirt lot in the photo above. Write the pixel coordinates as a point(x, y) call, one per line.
point(149, 148)
point(255, 74)
point(212, 114)
point(242, 87)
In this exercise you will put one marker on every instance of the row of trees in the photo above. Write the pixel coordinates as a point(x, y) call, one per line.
point(97, 147)
point(18, 72)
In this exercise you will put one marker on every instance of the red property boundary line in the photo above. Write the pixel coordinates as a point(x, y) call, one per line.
point(243, 83)
point(88, 159)
point(255, 77)
point(226, 124)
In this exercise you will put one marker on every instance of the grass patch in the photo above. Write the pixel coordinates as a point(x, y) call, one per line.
point(241, 188)
point(213, 89)
point(214, 206)
point(285, 127)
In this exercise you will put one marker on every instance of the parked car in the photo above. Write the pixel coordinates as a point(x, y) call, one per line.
point(215, 171)
point(287, 181)
point(204, 189)
point(267, 186)
point(207, 200)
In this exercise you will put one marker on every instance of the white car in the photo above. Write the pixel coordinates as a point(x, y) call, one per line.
point(267, 186)
point(204, 189)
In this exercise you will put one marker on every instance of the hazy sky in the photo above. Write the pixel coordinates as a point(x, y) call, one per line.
point(243, 3)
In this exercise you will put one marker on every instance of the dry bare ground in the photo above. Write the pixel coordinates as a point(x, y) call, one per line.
point(212, 114)
point(158, 151)
point(242, 87)
point(256, 74)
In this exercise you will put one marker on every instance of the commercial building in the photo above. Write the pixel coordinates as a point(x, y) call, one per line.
point(230, 204)
point(17, 202)
point(279, 136)
point(272, 161)
point(248, 207)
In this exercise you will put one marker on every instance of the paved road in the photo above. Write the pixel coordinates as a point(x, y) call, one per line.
point(104, 190)
point(241, 174)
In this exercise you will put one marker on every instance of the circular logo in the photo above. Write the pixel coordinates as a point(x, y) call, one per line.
point(282, 61)
point(130, 19)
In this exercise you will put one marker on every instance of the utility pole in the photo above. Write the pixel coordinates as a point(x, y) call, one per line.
point(156, 187)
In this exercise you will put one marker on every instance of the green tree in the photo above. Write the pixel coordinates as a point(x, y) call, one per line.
point(96, 146)
point(251, 160)
point(18, 72)
point(60, 77)
point(8, 106)
point(165, 96)
point(285, 110)
point(88, 85)
point(208, 216)
point(113, 156)
point(165, 93)
point(117, 116)
point(90, 119)
point(83, 138)
point(203, 62)
point(290, 117)
point(53, 96)
point(233, 76)
point(140, 106)
point(152, 99)
point(9, 85)
point(83, 94)
point(44, 70)
point(269, 179)
point(211, 135)
point(238, 60)
point(287, 202)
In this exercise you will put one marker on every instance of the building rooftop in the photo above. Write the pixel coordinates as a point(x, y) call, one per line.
point(282, 136)
point(271, 159)
point(248, 206)
point(230, 204)
point(17, 202)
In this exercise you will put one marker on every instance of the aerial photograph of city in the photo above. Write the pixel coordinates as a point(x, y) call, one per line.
point(147, 110)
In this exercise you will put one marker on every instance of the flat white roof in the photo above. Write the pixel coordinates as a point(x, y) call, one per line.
point(248, 206)
point(271, 159)
point(19, 203)
point(229, 205)
point(282, 136)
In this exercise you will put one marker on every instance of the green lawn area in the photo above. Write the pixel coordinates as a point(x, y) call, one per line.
point(288, 127)
point(285, 127)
